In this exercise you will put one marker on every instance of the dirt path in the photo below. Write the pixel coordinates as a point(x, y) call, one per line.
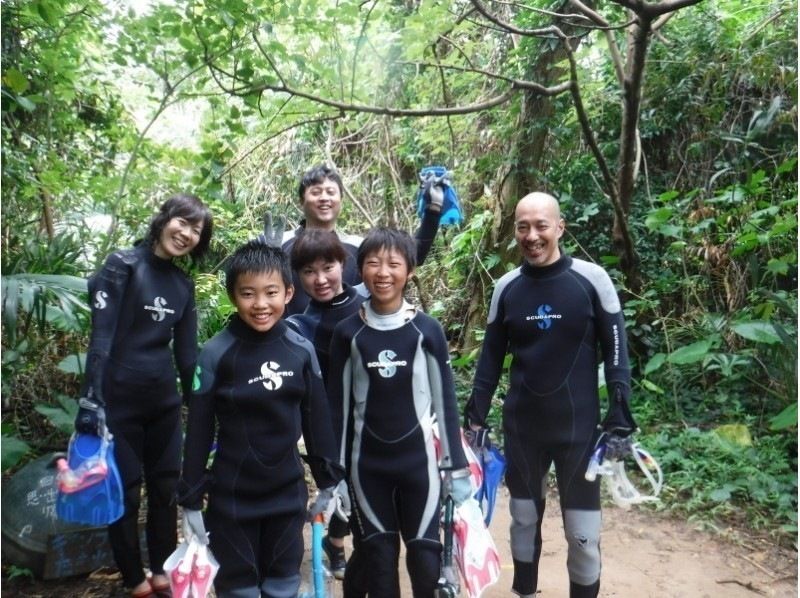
point(644, 556)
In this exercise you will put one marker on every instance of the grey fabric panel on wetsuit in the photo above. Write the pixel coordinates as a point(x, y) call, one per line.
point(582, 531)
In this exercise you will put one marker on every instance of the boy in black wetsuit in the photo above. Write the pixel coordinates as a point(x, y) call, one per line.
point(552, 314)
point(260, 383)
point(390, 379)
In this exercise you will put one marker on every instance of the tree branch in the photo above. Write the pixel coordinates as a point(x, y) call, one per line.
point(541, 32)
point(650, 11)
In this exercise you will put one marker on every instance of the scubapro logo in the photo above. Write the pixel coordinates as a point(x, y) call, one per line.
point(544, 319)
point(386, 364)
point(271, 376)
point(159, 310)
point(100, 299)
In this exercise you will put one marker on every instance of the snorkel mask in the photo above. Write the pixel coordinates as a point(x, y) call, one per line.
point(608, 459)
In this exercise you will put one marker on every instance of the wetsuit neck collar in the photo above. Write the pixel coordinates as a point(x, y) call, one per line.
point(561, 265)
point(387, 321)
point(347, 295)
point(152, 258)
point(243, 331)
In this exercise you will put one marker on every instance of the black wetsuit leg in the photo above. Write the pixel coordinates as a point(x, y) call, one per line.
point(147, 440)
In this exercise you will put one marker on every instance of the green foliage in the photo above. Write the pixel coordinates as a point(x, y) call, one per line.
point(13, 450)
point(62, 416)
point(712, 332)
point(709, 477)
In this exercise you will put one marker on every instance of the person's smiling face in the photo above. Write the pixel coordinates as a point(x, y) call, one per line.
point(321, 205)
point(261, 298)
point(537, 228)
point(385, 274)
point(322, 279)
point(178, 237)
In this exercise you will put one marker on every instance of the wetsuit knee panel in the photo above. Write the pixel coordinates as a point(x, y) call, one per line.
point(524, 527)
point(582, 531)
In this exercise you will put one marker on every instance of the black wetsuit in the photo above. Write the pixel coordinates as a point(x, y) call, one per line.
point(350, 275)
point(140, 304)
point(392, 377)
point(319, 319)
point(552, 319)
point(261, 389)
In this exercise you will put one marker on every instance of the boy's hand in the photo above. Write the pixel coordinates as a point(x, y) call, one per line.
point(328, 499)
point(458, 485)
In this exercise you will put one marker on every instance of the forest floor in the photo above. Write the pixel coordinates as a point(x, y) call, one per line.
point(644, 555)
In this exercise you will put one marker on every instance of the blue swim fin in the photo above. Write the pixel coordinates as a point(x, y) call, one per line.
point(89, 483)
point(494, 465)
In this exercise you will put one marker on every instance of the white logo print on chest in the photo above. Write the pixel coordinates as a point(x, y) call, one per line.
point(159, 310)
point(100, 300)
point(271, 376)
point(387, 364)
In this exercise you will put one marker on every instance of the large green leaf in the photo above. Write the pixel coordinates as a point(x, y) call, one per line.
point(785, 419)
point(690, 353)
point(12, 450)
point(758, 331)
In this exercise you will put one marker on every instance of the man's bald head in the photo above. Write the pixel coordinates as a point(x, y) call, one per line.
point(539, 200)
point(537, 228)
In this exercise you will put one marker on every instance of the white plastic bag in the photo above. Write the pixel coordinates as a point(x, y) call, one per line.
point(191, 569)
point(475, 551)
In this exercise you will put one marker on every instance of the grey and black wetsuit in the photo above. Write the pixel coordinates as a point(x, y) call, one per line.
point(392, 378)
point(552, 320)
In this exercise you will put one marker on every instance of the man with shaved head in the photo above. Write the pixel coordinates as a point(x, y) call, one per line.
point(552, 314)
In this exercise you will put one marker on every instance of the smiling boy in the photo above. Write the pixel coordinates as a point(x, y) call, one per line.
point(259, 385)
point(390, 379)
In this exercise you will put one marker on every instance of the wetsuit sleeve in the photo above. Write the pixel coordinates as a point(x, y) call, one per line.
point(339, 386)
point(490, 363)
point(614, 347)
point(443, 398)
point(318, 434)
point(426, 233)
point(185, 344)
point(199, 429)
point(106, 296)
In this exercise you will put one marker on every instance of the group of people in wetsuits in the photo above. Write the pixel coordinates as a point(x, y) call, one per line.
point(324, 344)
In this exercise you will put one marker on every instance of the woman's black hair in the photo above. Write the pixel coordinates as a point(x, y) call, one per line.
point(255, 257)
point(192, 209)
point(384, 237)
point(317, 175)
point(313, 244)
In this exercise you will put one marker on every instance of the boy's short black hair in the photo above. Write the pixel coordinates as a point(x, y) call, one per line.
point(384, 237)
point(317, 175)
point(255, 257)
point(189, 207)
point(313, 244)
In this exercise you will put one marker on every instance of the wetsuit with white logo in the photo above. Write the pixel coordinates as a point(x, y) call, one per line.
point(424, 237)
point(392, 377)
point(259, 390)
point(140, 304)
point(552, 320)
